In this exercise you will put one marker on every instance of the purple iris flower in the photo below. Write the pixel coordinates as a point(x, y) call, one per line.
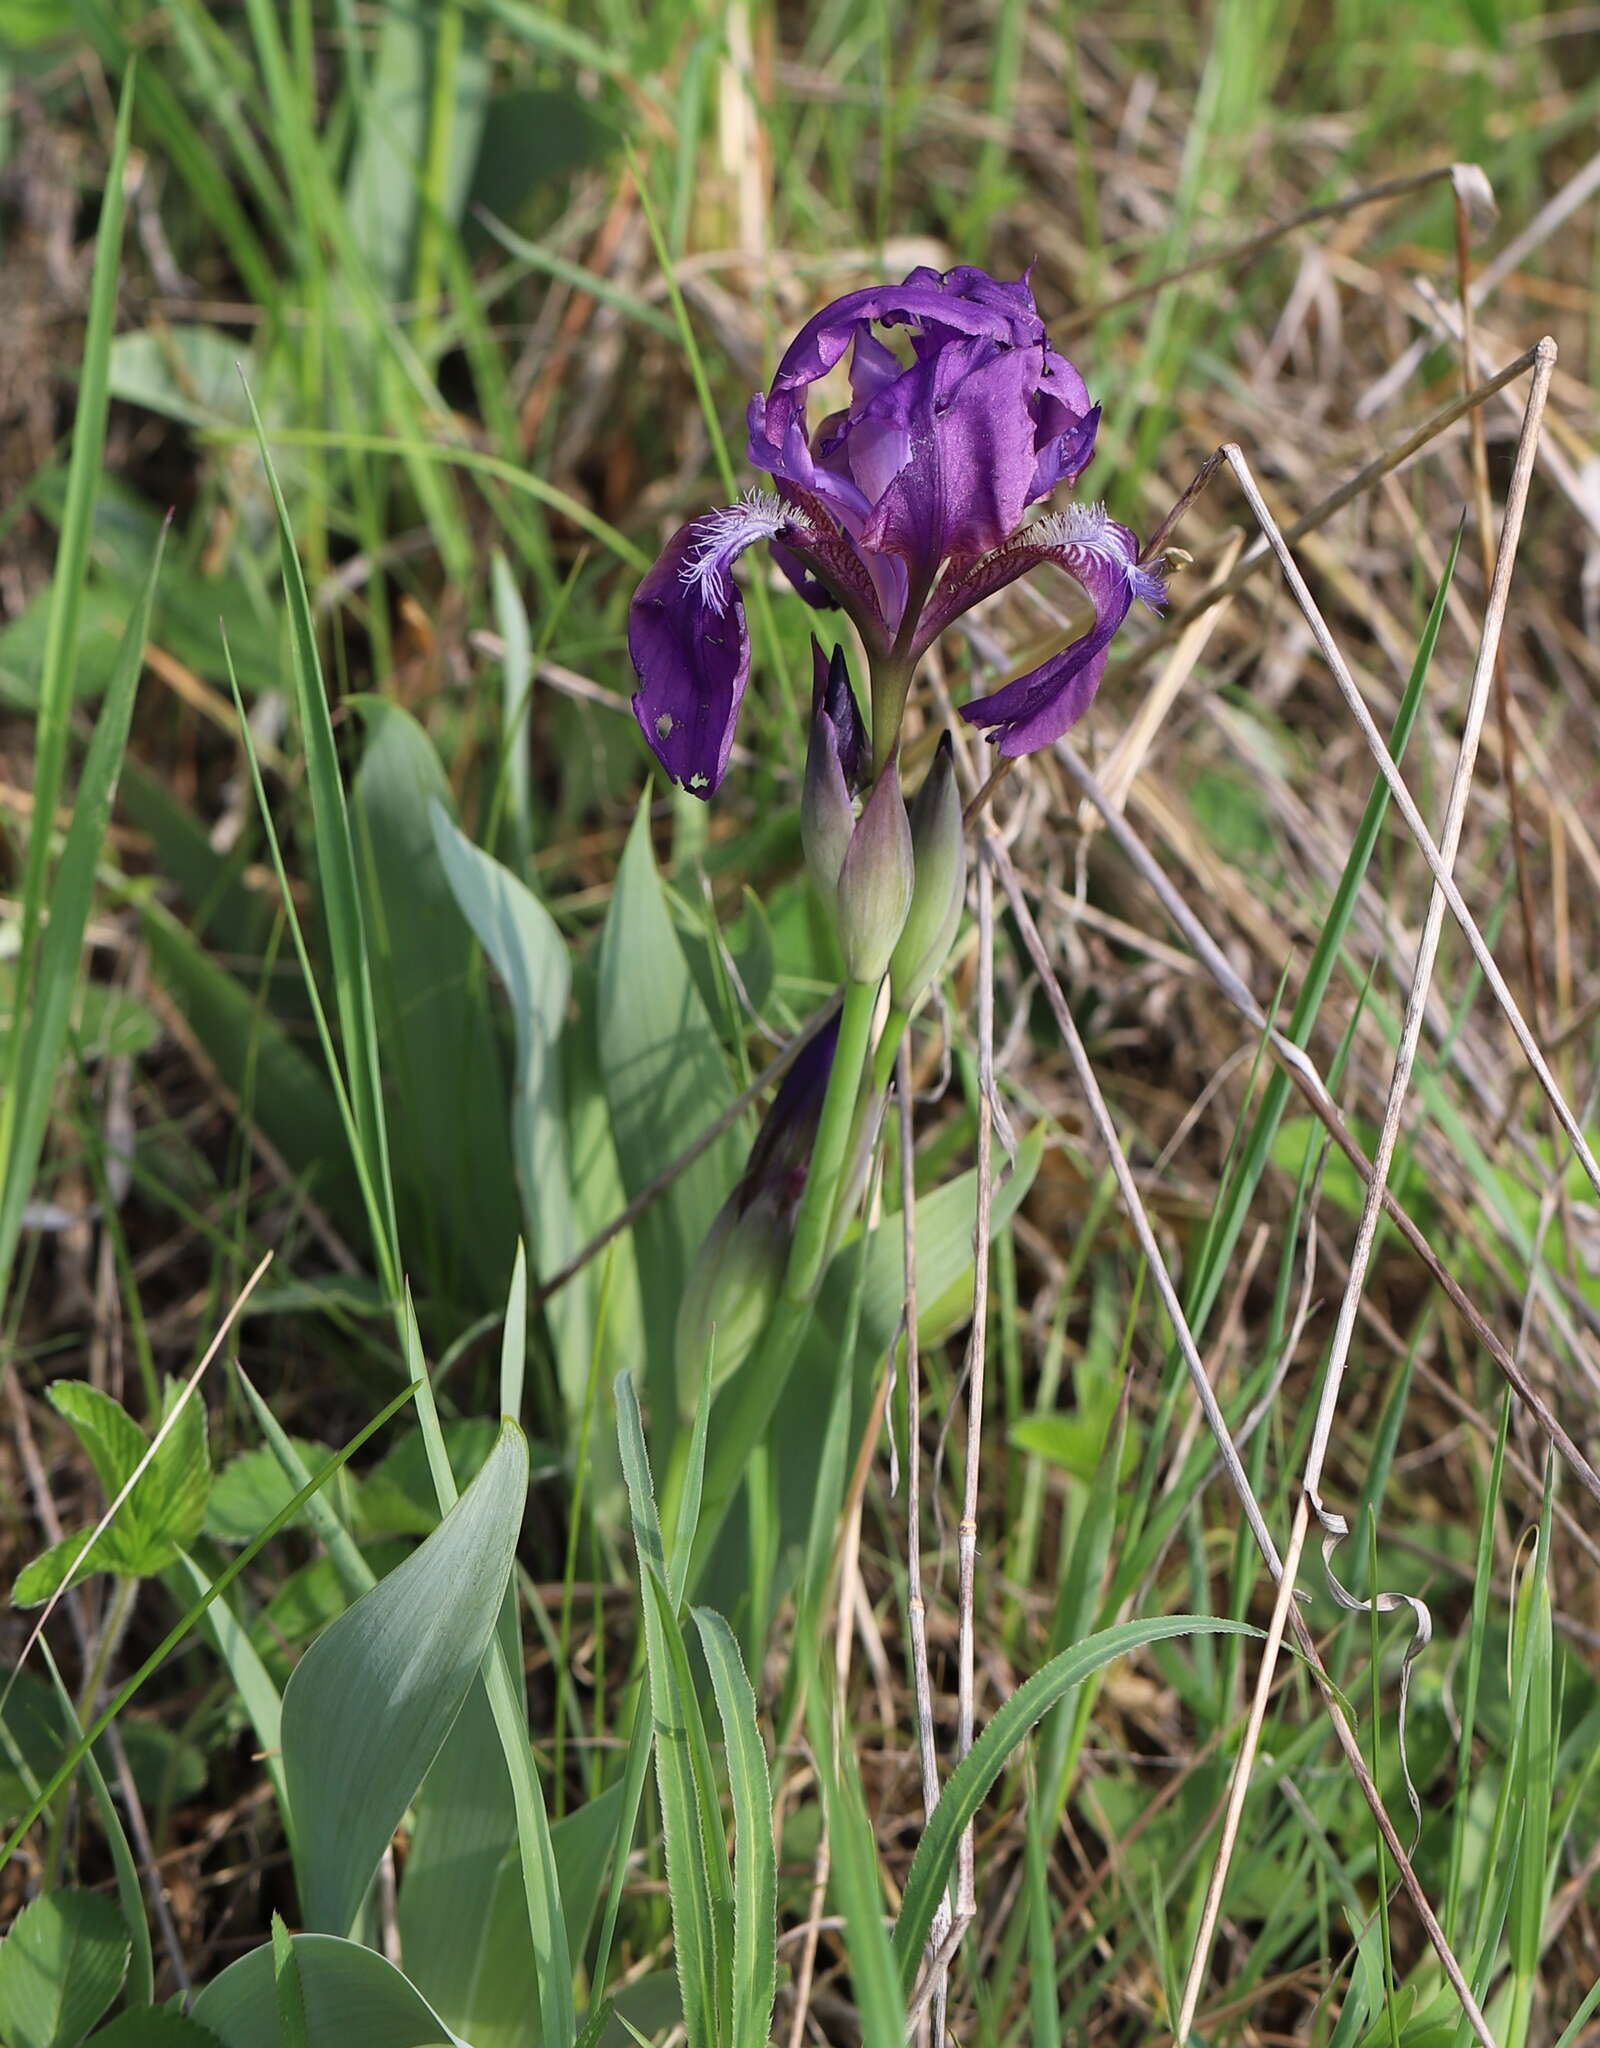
point(904, 509)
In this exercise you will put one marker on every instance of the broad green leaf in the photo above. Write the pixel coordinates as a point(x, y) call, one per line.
point(351, 1995)
point(153, 2026)
point(530, 956)
point(60, 1967)
point(503, 1684)
point(450, 1150)
point(666, 1080)
point(462, 1913)
point(186, 372)
point(389, 167)
point(968, 1784)
point(374, 1697)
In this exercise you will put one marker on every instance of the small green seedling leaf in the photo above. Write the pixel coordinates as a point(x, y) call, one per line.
point(60, 1967)
point(160, 1516)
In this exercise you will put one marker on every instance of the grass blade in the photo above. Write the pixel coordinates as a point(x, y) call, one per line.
point(39, 1024)
point(755, 1870)
point(336, 870)
point(968, 1784)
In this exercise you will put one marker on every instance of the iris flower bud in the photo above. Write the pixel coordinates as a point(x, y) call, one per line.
point(875, 879)
point(939, 850)
point(734, 1281)
point(731, 1289)
point(833, 768)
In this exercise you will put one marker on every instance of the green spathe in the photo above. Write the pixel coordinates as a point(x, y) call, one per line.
point(730, 1291)
point(874, 892)
point(939, 854)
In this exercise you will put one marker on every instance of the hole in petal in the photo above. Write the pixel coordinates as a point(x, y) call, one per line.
point(664, 726)
point(698, 781)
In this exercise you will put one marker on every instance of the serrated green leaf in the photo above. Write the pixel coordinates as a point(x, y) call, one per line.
point(38, 1580)
point(112, 1439)
point(180, 1473)
point(60, 1967)
point(248, 1492)
point(162, 1512)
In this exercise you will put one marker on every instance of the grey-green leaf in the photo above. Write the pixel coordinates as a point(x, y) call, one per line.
point(529, 954)
point(452, 1161)
point(666, 1079)
point(60, 1967)
point(350, 1994)
point(371, 1701)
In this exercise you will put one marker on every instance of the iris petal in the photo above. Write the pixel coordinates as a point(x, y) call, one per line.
point(1102, 556)
point(690, 645)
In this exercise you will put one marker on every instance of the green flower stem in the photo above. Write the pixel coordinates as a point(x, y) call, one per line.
point(746, 1410)
point(830, 1154)
point(865, 1126)
point(895, 1027)
point(891, 682)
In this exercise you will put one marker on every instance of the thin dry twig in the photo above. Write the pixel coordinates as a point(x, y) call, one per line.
point(916, 1600)
point(977, 1355)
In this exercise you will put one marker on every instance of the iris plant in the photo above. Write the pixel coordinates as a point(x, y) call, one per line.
point(904, 509)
